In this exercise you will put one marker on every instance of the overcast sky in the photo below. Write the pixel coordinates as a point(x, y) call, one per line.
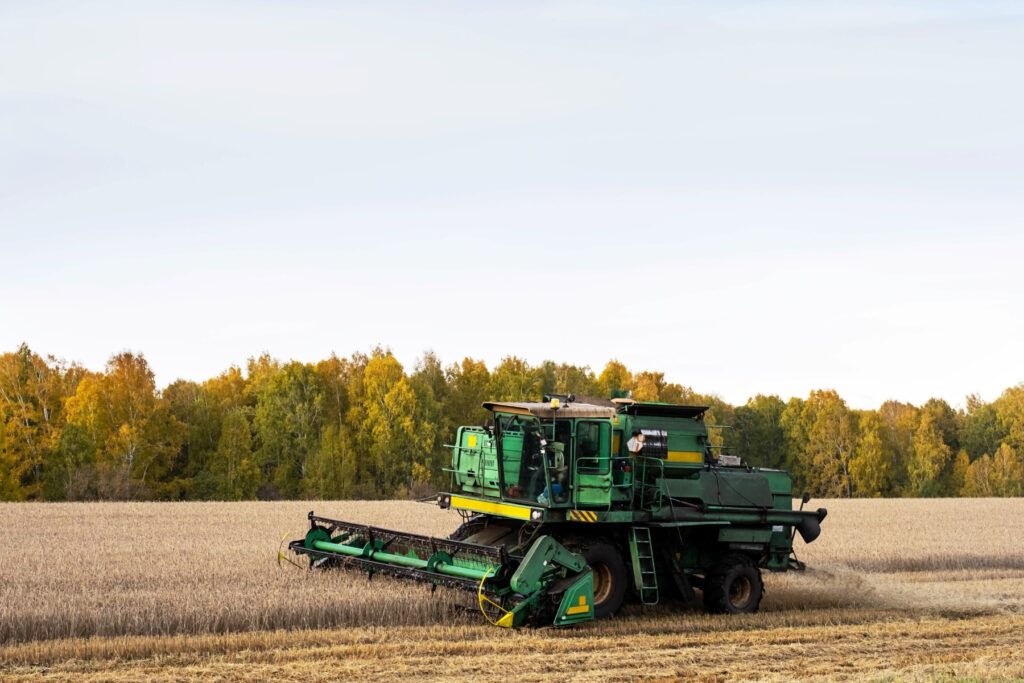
point(763, 197)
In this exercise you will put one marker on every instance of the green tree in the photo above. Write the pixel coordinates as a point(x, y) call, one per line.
point(148, 435)
point(980, 431)
point(24, 443)
point(1010, 413)
point(515, 380)
point(899, 423)
point(794, 439)
point(233, 472)
point(202, 409)
point(389, 423)
point(978, 483)
point(720, 418)
point(430, 386)
point(32, 395)
point(678, 394)
point(647, 386)
point(10, 475)
point(363, 427)
point(83, 437)
point(258, 371)
point(1007, 473)
point(574, 379)
point(831, 437)
point(947, 421)
point(546, 379)
point(824, 436)
point(288, 420)
point(331, 473)
point(931, 458)
point(124, 434)
point(469, 385)
point(74, 462)
point(336, 378)
point(193, 407)
point(334, 469)
point(615, 377)
point(958, 476)
point(870, 468)
point(759, 431)
point(228, 389)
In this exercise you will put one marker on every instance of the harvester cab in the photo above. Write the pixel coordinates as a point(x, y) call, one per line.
point(563, 523)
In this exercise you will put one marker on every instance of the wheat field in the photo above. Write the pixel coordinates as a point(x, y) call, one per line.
point(896, 589)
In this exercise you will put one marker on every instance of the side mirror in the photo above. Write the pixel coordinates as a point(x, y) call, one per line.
point(806, 498)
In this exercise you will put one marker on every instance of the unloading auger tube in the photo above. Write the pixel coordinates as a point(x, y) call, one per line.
point(548, 584)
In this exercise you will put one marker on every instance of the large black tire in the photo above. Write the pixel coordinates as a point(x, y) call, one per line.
point(610, 576)
point(733, 586)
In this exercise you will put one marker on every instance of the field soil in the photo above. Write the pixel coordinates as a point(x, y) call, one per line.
point(895, 590)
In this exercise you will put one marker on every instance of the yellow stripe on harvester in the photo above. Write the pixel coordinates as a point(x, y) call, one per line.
point(503, 509)
point(685, 456)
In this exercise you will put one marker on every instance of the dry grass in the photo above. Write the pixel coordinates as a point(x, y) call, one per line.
point(910, 589)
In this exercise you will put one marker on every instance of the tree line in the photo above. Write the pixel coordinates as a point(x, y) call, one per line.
point(364, 427)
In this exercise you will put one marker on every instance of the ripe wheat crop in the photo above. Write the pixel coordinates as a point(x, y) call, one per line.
point(170, 568)
point(199, 583)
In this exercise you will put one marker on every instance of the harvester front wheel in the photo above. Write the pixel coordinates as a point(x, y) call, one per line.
point(610, 577)
point(733, 586)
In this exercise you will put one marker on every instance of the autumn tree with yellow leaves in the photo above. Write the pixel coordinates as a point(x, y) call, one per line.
point(366, 427)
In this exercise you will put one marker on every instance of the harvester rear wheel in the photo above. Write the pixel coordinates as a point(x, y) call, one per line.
point(610, 577)
point(733, 586)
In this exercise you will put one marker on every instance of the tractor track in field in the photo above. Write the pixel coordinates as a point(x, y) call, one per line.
point(909, 648)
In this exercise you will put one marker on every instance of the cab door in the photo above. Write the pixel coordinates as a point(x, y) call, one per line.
point(591, 463)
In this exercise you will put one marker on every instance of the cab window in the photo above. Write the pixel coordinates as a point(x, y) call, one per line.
point(593, 445)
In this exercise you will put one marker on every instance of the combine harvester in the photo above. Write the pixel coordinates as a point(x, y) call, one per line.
point(562, 523)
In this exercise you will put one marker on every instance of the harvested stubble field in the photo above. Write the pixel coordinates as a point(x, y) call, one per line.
point(898, 589)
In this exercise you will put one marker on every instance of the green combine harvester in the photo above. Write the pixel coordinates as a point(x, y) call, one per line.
point(572, 507)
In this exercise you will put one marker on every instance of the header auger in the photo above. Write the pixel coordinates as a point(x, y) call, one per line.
point(547, 580)
point(572, 507)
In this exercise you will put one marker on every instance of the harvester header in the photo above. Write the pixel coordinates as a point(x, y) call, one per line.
point(572, 507)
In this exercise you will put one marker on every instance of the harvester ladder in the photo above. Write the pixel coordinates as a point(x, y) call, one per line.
point(644, 575)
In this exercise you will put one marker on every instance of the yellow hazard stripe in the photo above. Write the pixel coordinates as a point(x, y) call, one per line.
point(503, 509)
point(582, 516)
point(685, 456)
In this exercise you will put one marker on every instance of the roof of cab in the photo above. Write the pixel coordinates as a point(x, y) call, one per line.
point(544, 410)
point(576, 409)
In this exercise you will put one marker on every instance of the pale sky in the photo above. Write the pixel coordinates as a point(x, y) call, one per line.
point(753, 197)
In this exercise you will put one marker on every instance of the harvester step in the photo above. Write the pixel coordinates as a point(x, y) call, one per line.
point(645, 577)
